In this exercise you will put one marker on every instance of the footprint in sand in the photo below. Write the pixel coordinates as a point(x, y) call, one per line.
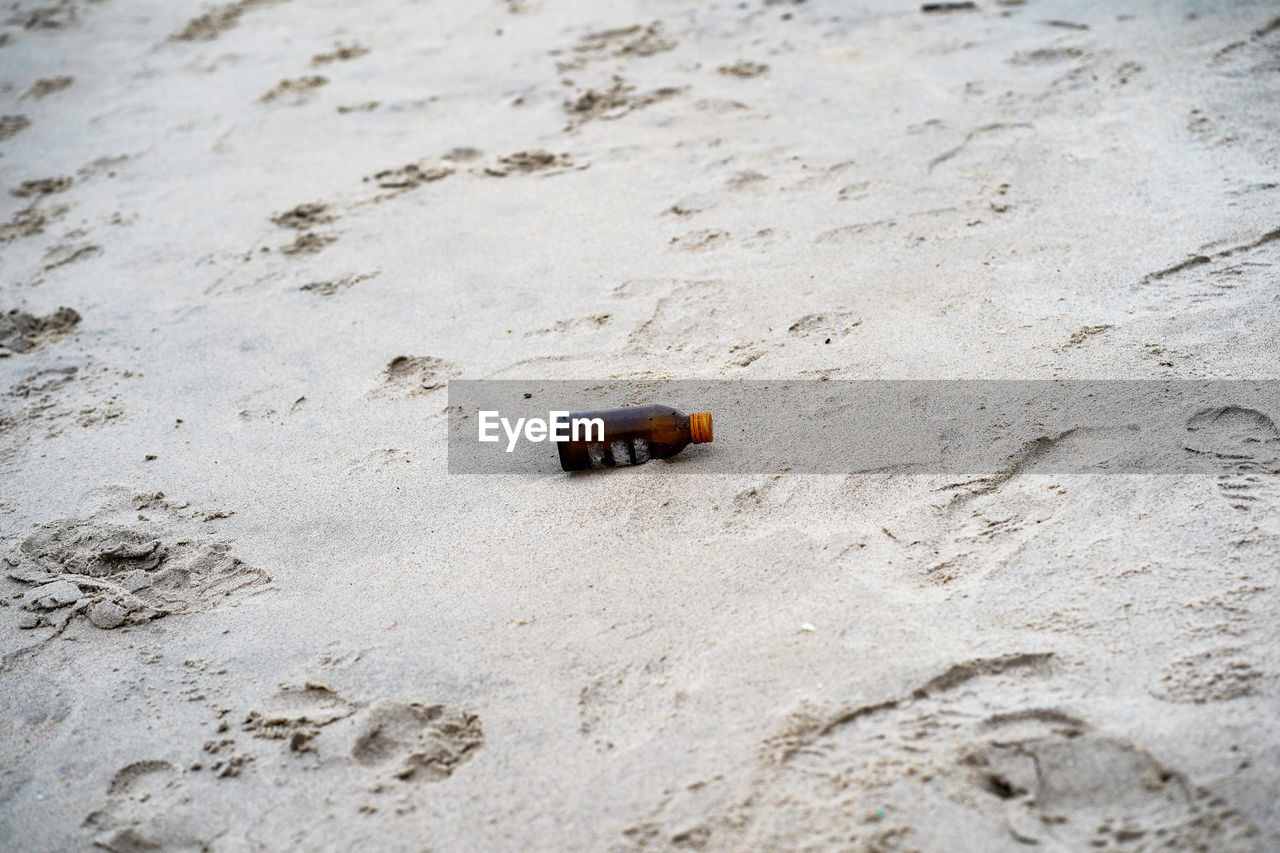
point(974, 750)
point(149, 808)
point(1064, 784)
point(297, 713)
point(1246, 444)
point(408, 741)
point(413, 376)
point(21, 332)
point(138, 558)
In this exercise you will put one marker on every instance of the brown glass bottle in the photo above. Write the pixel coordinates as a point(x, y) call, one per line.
point(630, 436)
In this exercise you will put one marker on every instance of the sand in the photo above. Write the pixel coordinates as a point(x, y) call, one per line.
point(247, 246)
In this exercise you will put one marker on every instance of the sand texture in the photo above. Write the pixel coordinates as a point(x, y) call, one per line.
point(245, 246)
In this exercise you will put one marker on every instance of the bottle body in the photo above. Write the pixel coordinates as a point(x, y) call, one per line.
point(633, 436)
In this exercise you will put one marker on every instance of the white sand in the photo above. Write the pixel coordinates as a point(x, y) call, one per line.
point(618, 662)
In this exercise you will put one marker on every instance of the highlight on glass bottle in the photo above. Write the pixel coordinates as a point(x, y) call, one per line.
point(632, 436)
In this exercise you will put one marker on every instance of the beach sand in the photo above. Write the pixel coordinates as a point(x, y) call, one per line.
point(246, 247)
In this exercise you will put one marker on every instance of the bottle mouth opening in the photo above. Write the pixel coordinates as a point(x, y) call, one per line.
point(700, 427)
